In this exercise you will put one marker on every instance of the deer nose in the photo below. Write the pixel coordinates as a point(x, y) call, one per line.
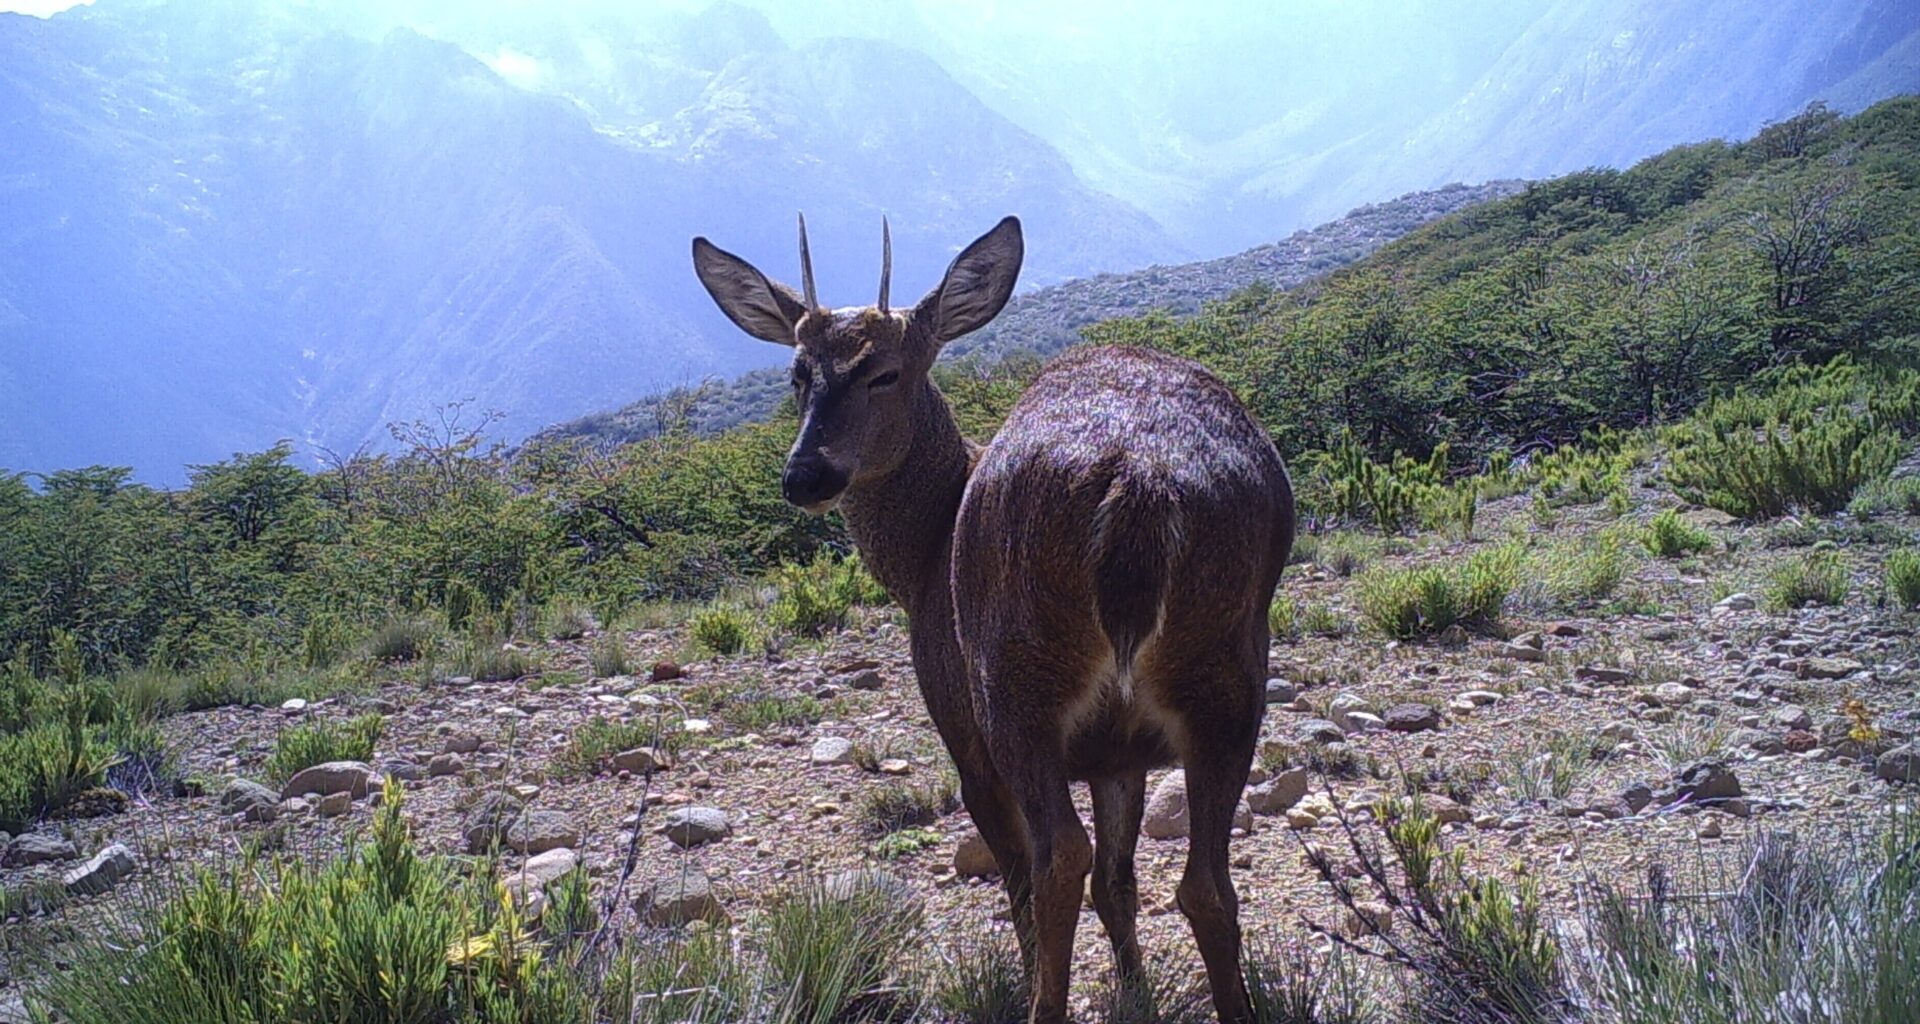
point(810, 481)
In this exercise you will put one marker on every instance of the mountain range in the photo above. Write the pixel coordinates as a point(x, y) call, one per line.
point(225, 222)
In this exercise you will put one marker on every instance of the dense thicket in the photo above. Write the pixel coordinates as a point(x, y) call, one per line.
point(1605, 299)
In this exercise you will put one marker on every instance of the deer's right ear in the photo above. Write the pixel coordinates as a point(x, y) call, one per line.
point(977, 285)
point(760, 307)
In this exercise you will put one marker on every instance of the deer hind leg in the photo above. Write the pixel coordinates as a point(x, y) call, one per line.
point(997, 817)
point(1118, 803)
point(1216, 776)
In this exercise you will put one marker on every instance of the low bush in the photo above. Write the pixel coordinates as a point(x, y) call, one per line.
point(491, 662)
point(899, 805)
point(401, 638)
point(1408, 603)
point(720, 630)
point(1893, 494)
point(1669, 536)
point(321, 741)
point(591, 745)
point(609, 656)
point(565, 619)
point(1818, 577)
point(828, 947)
point(1903, 577)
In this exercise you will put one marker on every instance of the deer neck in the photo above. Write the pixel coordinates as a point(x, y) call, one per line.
point(903, 520)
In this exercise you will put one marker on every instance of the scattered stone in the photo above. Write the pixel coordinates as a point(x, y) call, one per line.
point(1603, 674)
point(1704, 782)
point(1363, 721)
point(403, 769)
point(1829, 668)
point(1710, 828)
point(446, 764)
point(101, 872)
point(1901, 764)
point(831, 751)
point(541, 869)
point(864, 679)
point(1300, 820)
point(641, 760)
point(461, 743)
point(1674, 695)
point(1799, 741)
point(1369, 917)
point(335, 804)
point(251, 800)
point(1445, 809)
point(895, 766)
point(1792, 717)
point(540, 831)
point(293, 705)
point(1168, 816)
point(1765, 744)
point(1479, 698)
point(680, 897)
point(1413, 717)
point(1526, 647)
point(875, 884)
point(973, 858)
point(688, 827)
point(1279, 793)
point(1565, 629)
point(38, 848)
point(1736, 603)
point(1319, 730)
point(354, 778)
point(1637, 796)
point(1280, 691)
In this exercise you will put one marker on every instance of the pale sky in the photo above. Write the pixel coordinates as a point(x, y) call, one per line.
point(39, 8)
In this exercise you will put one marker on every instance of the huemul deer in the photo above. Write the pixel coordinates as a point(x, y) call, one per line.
point(1088, 593)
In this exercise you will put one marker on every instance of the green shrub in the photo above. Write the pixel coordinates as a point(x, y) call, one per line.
point(1892, 494)
point(1903, 577)
point(323, 740)
point(761, 712)
point(1591, 571)
point(1407, 603)
point(381, 934)
point(982, 982)
point(1815, 439)
point(62, 754)
point(720, 630)
point(818, 597)
point(895, 845)
point(1669, 536)
point(1283, 618)
point(1818, 577)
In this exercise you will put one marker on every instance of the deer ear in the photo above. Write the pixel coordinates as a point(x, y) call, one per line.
point(760, 307)
point(977, 285)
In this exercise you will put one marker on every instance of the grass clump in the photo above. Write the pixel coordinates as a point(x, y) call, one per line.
point(401, 638)
point(1823, 929)
point(609, 656)
point(818, 597)
point(1893, 494)
point(898, 806)
point(1903, 577)
point(591, 747)
point(1590, 570)
point(760, 713)
point(907, 841)
point(1411, 603)
point(832, 947)
point(319, 742)
point(982, 982)
point(720, 630)
point(66, 741)
point(1669, 536)
point(565, 619)
point(1818, 577)
point(490, 662)
point(1551, 766)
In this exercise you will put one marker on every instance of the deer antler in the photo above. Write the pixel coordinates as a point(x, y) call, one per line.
point(886, 261)
point(806, 267)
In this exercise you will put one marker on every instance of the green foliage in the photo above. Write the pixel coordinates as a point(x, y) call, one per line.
point(827, 947)
point(1792, 917)
point(905, 842)
point(1588, 571)
point(609, 656)
point(1408, 603)
point(1810, 442)
point(321, 741)
point(382, 934)
point(720, 629)
point(1818, 577)
point(567, 619)
point(591, 746)
point(1903, 577)
point(899, 805)
point(982, 982)
point(753, 712)
point(1669, 536)
point(401, 638)
point(490, 662)
point(1891, 494)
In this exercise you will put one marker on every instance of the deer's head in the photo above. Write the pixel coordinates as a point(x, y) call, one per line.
point(857, 369)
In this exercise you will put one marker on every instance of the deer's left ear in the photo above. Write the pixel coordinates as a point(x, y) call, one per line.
point(760, 307)
point(977, 285)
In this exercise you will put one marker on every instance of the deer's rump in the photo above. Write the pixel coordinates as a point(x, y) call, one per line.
point(1114, 556)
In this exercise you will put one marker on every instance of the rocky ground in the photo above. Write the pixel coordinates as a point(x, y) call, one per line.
point(1577, 744)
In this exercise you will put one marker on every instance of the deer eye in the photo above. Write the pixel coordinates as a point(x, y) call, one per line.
point(885, 380)
point(800, 375)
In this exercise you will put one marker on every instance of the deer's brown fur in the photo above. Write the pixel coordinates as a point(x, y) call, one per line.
point(1087, 593)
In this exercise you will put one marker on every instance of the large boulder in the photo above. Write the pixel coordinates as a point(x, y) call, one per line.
point(696, 826)
point(1277, 794)
point(354, 778)
point(38, 848)
point(1901, 764)
point(973, 858)
point(1169, 817)
point(680, 897)
point(101, 872)
point(1413, 717)
point(540, 831)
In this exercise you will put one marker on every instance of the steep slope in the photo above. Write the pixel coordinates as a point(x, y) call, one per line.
point(226, 223)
